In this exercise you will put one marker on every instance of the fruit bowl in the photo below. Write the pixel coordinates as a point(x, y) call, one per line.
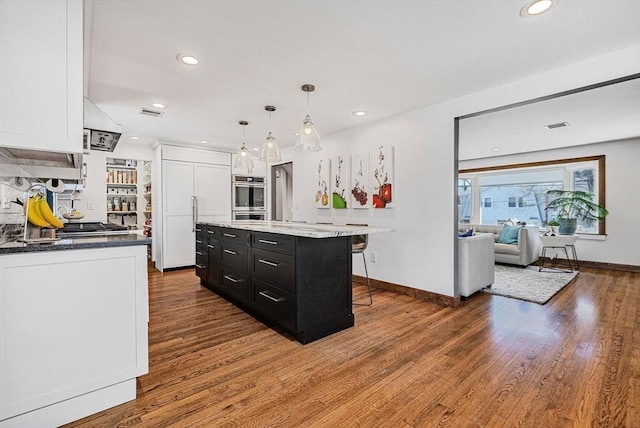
point(73, 215)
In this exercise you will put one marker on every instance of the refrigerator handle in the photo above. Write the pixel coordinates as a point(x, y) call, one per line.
point(194, 212)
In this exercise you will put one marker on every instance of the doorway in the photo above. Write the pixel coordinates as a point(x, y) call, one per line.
point(282, 192)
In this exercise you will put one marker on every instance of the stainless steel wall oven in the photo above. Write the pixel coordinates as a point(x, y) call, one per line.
point(249, 193)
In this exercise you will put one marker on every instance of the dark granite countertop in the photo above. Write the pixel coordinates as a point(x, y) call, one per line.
point(76, 243)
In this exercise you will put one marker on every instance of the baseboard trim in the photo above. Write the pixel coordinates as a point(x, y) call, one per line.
point(423, 295)
point(600, 265)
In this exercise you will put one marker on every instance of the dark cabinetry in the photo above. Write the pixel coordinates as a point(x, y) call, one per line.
point(208, 255)
point(300, 285)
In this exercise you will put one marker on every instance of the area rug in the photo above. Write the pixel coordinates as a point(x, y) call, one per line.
point(528, 284)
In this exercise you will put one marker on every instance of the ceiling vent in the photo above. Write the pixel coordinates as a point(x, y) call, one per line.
point(557, 125)
point(149, 112)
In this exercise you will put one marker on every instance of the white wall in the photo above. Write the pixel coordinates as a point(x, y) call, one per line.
point(420, 253)
point(622, 243)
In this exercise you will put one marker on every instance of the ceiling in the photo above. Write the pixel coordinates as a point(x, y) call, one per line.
point(606, 113)
point(384, 57)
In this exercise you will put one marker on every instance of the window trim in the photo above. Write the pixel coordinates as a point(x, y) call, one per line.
point(600, 159)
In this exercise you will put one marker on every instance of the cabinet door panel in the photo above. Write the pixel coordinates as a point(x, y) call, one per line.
point(41, 77)
point(178, 244)
point(178, 188)
point(213, 189)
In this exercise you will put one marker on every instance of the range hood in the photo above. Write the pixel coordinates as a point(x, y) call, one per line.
point(104, 132)
point(40, 165)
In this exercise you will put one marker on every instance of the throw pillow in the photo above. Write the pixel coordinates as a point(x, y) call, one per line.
point(509, 234)
point(466, 234)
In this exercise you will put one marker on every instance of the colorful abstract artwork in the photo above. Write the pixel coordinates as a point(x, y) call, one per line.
point(360, 190)
point(339, 182)
point(324, 179)
point(382, 165)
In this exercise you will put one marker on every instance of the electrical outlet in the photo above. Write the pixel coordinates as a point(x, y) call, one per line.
point(373, 256)
point(91, 205)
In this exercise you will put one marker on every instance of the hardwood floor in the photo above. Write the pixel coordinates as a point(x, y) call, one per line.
point(494, 361)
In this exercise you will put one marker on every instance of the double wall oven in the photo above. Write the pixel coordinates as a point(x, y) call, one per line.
point(249, 197)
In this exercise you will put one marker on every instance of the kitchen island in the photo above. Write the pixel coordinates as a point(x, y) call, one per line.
point(296, 277)
point(73, 327)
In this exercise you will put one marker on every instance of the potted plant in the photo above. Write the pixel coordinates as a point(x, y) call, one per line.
point(553, 224)
point(574, 204)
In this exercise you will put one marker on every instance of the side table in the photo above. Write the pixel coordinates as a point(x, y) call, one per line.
point(559, 243)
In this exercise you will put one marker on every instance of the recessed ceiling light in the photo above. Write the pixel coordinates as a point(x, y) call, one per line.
point(359, 113)
point(158, 105)
point(256, 149)
point(536, 7)
point(134, 137)
point(496, 149)
point(187, 59)
point(204, 141)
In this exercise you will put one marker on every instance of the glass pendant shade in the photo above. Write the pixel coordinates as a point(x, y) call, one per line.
point(243, 159)
point(308, 139)
point(270, 151)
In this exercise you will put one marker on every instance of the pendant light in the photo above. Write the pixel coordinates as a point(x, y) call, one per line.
point(243, 158)
point(308, 138)
point(270, 151)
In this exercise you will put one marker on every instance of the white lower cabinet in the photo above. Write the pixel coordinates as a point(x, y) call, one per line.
point(191, 191)
point(73, 333)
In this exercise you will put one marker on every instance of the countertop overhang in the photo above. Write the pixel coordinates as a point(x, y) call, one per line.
point(307, 230)
point(76, 243)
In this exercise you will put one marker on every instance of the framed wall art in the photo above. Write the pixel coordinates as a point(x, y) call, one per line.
point(324, 178)
point(382, 166)
point(360, 192)
point(339, 182)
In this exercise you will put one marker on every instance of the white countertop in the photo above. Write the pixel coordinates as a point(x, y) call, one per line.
point(308, 230)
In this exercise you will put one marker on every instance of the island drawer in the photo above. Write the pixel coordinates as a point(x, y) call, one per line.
point(213, 232)
point(235, 235)
point(274, 268)
point(201, 265)
point(273, 242)
point(213, 266)
point(235, 283)
point(235, 256)
point(275, 303)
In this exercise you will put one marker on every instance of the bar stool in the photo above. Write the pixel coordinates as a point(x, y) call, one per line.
point(358, 245)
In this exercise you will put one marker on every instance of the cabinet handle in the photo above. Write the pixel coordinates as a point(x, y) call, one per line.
point(199, 253)
point(233, 253)
point(198, 230)
point(200, 266)
point(270, 297)
point(232, 279)
point(194, 212)
point(265, 241)
point(210, 246)
point(267, 262)
point(211, 232)
point(198, 241)
point(229, 235)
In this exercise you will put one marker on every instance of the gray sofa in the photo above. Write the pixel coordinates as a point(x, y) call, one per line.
point(524, 253)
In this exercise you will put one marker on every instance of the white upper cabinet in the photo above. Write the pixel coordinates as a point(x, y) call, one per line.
point(41, 103)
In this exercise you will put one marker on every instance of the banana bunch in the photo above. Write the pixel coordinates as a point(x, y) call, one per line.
point(39, 213)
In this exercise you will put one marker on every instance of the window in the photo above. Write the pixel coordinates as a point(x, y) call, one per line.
point(520, 191)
